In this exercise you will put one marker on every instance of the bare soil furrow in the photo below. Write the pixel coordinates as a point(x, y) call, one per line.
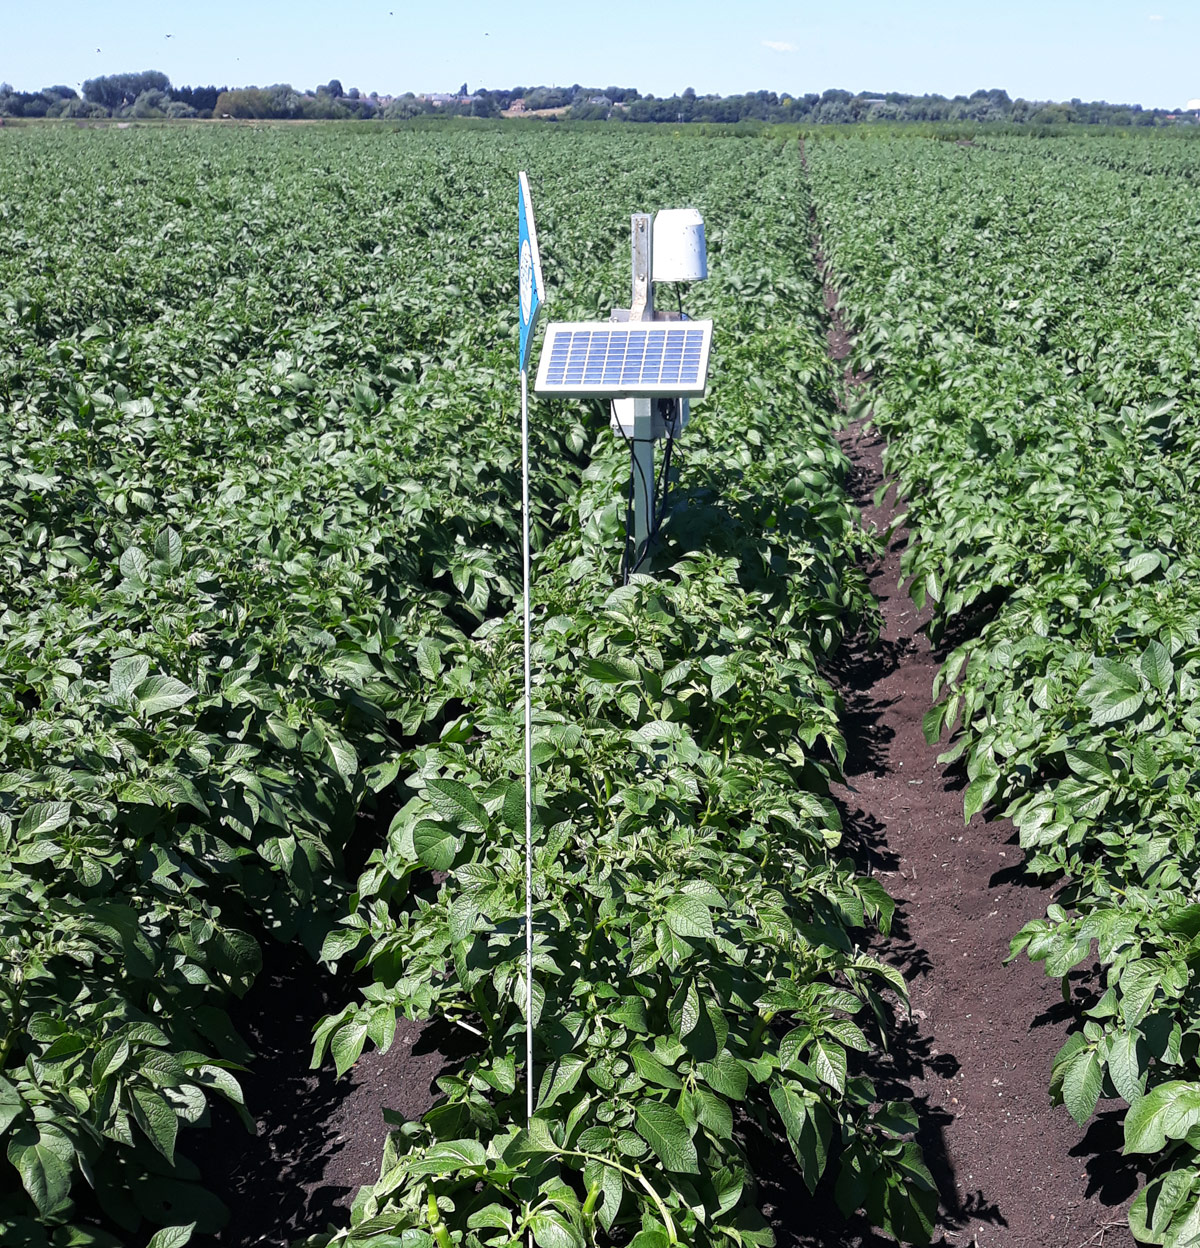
point(1014, 1172)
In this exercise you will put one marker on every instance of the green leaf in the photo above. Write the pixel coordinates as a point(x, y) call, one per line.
point(172, 1236)
point(1082, 1081)
point(110, 1057)
point(651, 1069)
point(725, 1075)
point(347, 1043)
point(340, 941)
point(931, 723)
point(1140, 984)
point(134, 565)
point(11, 1104)
point(631, 1013)
point(449, 1157)
point(157, 1119)
point(436, 844)
point(1089, 765)
point(829, 1061)
point(1167, 1112)
point(42, 818)
point(162, 693)
point(493, 1216)
point(664, 1130)
point(552, 1230)
point(503, 1073)
point(689, 917)
point(455, 802)
point(978, 793)
point(1113, 693)
point(705, 1038)
point(684, 1011)
point(1141, 565)
point(615, 672)
point(1145, 765)
point(168, 547)
point(791, 1108)
point(1157, 667)
point(45, 1174)
point(713, 1113)
point(653, 1237)
point(126, 674)
point(613, 1194)
point(1125, 1067)
point(560, 1077)
point(429, 658)
point(341, 755)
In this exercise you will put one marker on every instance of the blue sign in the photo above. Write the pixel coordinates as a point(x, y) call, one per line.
point(532, 290)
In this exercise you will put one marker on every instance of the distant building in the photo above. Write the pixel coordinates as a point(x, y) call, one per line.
point(439, 100)
point(517, 106)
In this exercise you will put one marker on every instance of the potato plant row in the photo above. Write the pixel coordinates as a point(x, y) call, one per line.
point(260, 551)
point(699, 973)
point(1027, 313)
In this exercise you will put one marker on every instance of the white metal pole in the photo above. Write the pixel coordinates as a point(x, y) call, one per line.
point(528, 755)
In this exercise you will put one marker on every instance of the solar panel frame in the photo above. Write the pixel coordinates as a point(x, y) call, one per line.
point(624, 360)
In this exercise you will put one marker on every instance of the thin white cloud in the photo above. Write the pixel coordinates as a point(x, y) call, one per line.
point(1156, 17)
point(777, 45)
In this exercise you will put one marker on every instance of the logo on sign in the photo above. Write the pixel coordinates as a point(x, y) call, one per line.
point(526, 279)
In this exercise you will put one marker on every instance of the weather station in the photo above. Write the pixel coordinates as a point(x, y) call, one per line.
point(648, 362)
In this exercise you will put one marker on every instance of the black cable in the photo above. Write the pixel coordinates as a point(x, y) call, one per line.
point(666, 481)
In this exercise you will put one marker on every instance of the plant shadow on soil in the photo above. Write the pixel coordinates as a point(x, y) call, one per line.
point(801, 1220)
point(271, 1180)
point(1113, 1176)
point(319, 1137)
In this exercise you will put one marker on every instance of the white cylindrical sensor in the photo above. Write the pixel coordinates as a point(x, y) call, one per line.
point(680, 253)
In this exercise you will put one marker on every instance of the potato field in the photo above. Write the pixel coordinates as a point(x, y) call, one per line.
point(261, 677)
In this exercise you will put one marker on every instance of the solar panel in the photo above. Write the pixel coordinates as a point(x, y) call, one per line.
point(634, 360)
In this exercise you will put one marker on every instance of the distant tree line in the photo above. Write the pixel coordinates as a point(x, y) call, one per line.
point(835, 107)
point(150, 95)
point(145, 95)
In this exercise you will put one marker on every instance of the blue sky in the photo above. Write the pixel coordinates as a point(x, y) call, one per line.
point(1145, 53)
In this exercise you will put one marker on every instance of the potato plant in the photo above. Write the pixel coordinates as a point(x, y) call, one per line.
point(1027, 313)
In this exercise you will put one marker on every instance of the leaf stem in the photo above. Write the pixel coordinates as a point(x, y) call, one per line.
point(664, 1212)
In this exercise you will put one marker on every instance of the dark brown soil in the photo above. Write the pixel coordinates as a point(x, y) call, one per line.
point(1013, 1171)
point(319, 1137)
